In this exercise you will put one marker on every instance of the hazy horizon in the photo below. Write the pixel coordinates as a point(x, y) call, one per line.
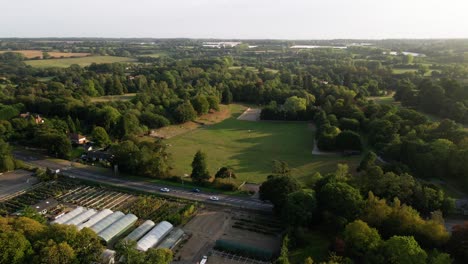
point(242, 19)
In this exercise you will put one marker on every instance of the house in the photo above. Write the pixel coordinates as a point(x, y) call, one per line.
point(37, 118)
point(44, 206)
point(99, 155)
point(77, 139)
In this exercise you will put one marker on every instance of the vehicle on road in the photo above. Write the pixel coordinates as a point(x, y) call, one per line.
point(195, 190)
point(214, 198)
point(164, 190)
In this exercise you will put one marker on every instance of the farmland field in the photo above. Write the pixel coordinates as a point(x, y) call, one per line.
point(38, 53)
point(85, 61)
point(250, 147)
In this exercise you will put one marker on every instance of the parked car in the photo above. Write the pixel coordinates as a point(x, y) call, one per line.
point(214, 198)
point(164, 190)
point(204, 260)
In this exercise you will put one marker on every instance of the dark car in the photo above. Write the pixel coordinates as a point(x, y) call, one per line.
point(196, 190)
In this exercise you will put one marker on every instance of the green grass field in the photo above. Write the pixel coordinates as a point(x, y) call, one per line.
point(154, 55)
point(250, 148)
point(85, 61)
point(111, 98)
point(405, 70)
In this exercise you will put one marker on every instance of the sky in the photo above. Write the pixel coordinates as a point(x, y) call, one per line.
point(235, 19)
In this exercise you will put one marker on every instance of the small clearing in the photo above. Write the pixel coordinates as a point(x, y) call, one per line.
point(251, 114)
point(112, 98)
point(204, 120)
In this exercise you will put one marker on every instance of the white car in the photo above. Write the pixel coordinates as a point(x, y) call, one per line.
point(214, 198)
point(204, 259)
point(164, 190)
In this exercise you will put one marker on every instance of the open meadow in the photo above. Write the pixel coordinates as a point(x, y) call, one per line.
point(30, 54)
point(84, 61)
point(250, 147)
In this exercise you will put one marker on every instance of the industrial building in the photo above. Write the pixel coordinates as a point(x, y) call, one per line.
point(95, 218)
point(118, 227)
point(68, 216)
point(107, 221)
point(85, 215)
point(140, 231)
point(154, 236)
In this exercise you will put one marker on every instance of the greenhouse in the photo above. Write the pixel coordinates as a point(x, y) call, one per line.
point(118, 227)
point(140, 231)
point(68, 215)
point(172, 238)
point(85, 215)
point(154, 236)
point(107, 221)
point(95, 218)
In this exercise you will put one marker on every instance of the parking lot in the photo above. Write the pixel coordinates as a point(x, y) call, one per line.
point(14, 182)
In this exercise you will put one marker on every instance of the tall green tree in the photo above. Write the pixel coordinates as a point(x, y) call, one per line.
point(299, 208)
point(277, 188)
point(100, 137)
point(360, 238)
point(7, 163)
point(185, 112)
point(403, 250)
point(200, 171)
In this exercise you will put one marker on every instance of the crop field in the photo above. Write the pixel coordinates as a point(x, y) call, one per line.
point(38, 53)
point(250, 147)
point(69, 192)
point(84, 61)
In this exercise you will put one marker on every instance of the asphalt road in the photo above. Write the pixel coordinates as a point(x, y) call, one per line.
point(91, 174)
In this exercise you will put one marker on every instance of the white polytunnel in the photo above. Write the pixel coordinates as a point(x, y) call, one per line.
point(107, 221)
point(118, 227)
point(68, 215)
point(140, 231)
point(172, 238)
point(95, 218)
point(154, 236)
point(81, 217)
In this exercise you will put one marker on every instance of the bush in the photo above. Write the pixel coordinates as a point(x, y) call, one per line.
point(224, 184)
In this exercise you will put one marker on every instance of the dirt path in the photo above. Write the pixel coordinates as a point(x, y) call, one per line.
point(251, 114)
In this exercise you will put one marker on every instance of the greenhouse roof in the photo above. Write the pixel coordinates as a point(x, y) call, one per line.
point(154, 236)
point(140, 231)
point(107, 221)
point(85, 215)
point(95, 218)
point(117, 227)
point(68, 215)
